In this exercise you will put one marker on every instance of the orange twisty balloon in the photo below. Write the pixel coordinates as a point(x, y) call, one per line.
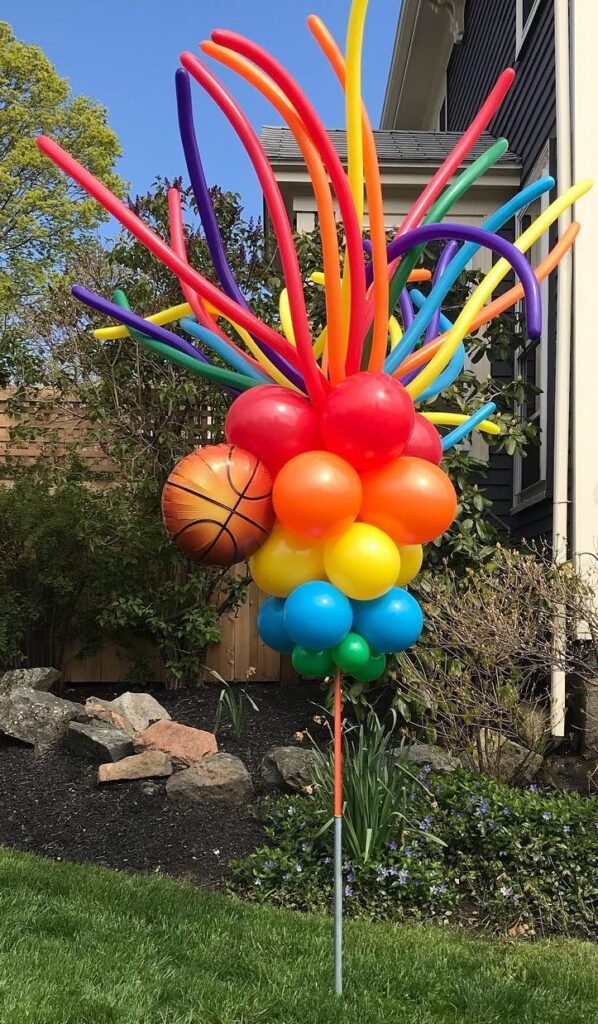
point(410, 499)
point(217, 504)
point(317, 495)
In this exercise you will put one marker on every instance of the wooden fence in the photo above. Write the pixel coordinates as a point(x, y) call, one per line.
point(238, 656)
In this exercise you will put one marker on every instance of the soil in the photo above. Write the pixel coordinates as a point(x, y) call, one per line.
point(53, 806)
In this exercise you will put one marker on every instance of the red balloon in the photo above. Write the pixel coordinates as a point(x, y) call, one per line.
point(424, 442)
point(367, 419)
point(274, 423)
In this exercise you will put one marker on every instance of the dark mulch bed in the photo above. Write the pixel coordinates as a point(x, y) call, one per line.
point(52, 805)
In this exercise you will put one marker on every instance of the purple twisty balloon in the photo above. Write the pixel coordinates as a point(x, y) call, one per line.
point(443, 261)
point(407, 311)
point(486, 239)
point(208, 216)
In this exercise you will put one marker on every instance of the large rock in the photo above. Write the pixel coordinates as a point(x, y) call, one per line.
point(181, 742)
point(505, 758)
point(288, 767)
point(219, 777)
point(104, 711)
point(36, 717)
point(98, 741)
point(569, 772)
point(131, 712)
point(42, 679)
point(141, 709)
point(149, 765)
point(421, 754)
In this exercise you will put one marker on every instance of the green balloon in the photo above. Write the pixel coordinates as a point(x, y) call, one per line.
point(352, 654)
point(312, 663)
point(375, 668)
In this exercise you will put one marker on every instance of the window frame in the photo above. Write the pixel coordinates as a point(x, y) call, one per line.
point(524, 497)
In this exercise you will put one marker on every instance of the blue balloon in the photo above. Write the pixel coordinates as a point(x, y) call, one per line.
point(270, 626)
point(317, 615)
point(392, 622)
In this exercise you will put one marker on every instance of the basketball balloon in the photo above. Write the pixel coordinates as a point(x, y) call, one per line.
point(217, 504)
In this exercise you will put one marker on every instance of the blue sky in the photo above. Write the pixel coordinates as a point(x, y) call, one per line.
point(124, 55)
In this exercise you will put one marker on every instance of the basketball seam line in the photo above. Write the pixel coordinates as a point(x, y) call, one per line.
point(213, 501)
point(241, 495)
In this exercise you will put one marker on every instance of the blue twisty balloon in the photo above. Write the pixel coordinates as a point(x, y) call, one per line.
point(317, 616)
point(392, 622)
point(270, 626)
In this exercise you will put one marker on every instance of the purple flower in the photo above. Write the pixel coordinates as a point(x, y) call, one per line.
point(393, 845)
point(268, 865)
point(533, 788)
point(393, 871)
point(348, 890)
point(438, 890)
point(482, 807)
point(350, 877)
point(291, 809)
point(566, 828)
point(505, 891)
point(425, 824)
point(546, 815)
point(492, 825)
point(382, 871)
point(403, 876)
point(506, 811)
point(327, 860)
point(258, 881)
point(408, 851)
point(423, 775)
point(298, 868)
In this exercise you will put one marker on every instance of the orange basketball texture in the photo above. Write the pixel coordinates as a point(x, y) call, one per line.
point(217, 504)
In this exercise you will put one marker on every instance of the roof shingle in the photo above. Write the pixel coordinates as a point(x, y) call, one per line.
point(393, 147)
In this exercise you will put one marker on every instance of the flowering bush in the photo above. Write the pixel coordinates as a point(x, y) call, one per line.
point(515, 859)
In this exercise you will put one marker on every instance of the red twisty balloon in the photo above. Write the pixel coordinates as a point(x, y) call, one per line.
point(274, 423)
point(367, 419)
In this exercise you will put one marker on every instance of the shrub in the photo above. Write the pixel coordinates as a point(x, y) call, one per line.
point(90, 565)
point(487, 650)
point(516, 859)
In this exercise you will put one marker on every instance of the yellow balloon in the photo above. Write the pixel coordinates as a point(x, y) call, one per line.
point(363, 562)
point(285, 561)
point(412, 556)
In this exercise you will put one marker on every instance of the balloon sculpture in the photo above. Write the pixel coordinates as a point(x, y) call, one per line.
point(330, 479)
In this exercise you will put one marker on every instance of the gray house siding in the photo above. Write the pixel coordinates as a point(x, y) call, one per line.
point(527, 118)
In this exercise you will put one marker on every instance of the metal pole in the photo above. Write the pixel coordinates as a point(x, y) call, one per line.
point(338, 835)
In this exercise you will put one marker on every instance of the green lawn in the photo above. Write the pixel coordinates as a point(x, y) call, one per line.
point(82, 945)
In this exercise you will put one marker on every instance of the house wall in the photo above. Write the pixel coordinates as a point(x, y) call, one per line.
point(527, 118)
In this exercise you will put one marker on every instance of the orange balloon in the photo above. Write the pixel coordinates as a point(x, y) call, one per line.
point(411, 499)
point(317, 495)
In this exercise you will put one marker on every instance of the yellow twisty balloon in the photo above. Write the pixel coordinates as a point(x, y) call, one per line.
point(454, 419)
point(484, 290)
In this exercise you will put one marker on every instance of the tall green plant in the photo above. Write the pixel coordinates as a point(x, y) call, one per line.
point(378, 789)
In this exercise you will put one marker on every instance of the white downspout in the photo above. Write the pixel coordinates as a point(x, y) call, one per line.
point(560, 500)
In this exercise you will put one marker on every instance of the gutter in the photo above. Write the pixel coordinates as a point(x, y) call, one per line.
point(560, 499)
